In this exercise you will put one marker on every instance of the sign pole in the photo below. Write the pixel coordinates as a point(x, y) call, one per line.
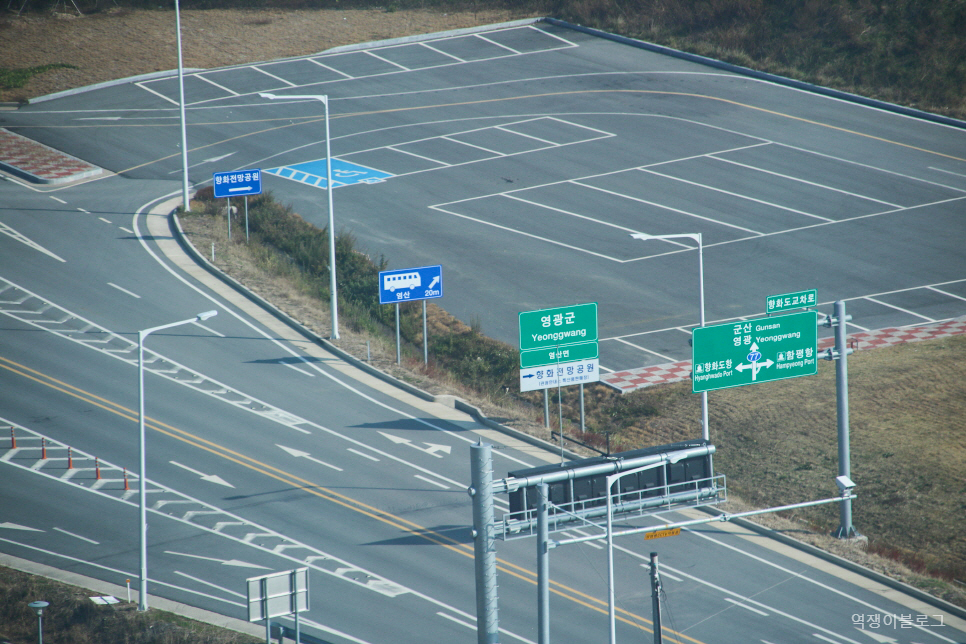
point(484, 550)
point(425, 337)
point(543, 564)
point(398, 354)
point(228, 199)
point(656, 600)
point(846, 530)
point(546, 409)
point(560, 406)
point(246, 219)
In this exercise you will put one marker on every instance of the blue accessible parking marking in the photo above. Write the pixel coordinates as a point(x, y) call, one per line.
point(344, 173)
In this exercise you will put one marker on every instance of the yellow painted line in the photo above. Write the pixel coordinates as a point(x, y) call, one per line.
point(304, 485)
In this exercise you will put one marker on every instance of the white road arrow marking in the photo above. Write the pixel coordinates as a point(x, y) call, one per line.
point(211, 478)
point(15, 526)
point(223, 562)
point(433, 283)
point(300, 454)
point(884, 639)
point(431, 450)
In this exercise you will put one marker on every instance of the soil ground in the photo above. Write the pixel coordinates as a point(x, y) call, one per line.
point(120, 43)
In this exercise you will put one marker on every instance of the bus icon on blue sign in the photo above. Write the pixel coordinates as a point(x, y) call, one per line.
point(410, 284)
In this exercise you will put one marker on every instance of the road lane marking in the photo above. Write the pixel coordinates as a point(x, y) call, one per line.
point(362, 454)
point(223, 562)
point(77, 536)
point(458, 621)
point(208, 583)
point(57, 200)
point(23, 239)
point(211, 478)
point(124, 290)
point(745, 606)
point(431, 481)
point(300, 454)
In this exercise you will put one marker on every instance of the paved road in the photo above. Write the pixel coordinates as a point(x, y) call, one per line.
point(496, 161)
point(521, 159)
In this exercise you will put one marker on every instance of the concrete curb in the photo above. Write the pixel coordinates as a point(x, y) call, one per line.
point(110, 83)
point(851, 566)
point(477, 415)
point(771, 78)
point(466, 31)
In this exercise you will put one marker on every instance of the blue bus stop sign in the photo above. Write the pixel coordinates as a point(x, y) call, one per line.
point(238, 183)
point(410, 284)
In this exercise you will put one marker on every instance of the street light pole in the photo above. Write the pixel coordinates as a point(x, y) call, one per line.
point(184, 128)
point(334, 299)
point(705, 433)
point(142, 496)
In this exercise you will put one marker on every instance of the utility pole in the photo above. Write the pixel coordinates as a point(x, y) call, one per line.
point(656, 600)
point(484, 548)
point(845, 530)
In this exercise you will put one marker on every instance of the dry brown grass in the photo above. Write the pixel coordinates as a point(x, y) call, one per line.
point(72, 618)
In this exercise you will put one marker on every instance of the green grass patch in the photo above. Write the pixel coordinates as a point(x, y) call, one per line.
point(18, 77)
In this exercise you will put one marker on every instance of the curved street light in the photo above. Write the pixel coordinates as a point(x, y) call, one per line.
point(143, 577)
point(334, 303)
point(705, 434)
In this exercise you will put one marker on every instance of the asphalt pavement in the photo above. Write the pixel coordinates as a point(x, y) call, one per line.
point(520, 159)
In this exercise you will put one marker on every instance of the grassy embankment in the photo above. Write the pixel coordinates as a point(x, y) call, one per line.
point(776, 442)
point(72, 618)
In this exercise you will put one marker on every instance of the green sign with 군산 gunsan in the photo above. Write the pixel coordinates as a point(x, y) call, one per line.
point(748, 352)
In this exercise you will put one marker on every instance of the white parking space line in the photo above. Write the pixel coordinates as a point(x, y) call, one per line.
point(493, 42)
point(662, 206)
point(942, 292)
point(211, 82)
point(270, 75)
point(899, 308)
point(799, 180)
point(158, 94)
point(871, 167)
point(478, 147)
point(418, 156)
point(525, 234)
point(636, 346)
point(955, 174)
point(573, 214)
point(331, 69)
point(440, 51)
point(386, 60)
point(736, 194)
point(529, 136)
point(547, 33)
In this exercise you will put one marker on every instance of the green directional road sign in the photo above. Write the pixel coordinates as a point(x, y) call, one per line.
point(569, 330)
point(789, 301)
point(748, 352)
